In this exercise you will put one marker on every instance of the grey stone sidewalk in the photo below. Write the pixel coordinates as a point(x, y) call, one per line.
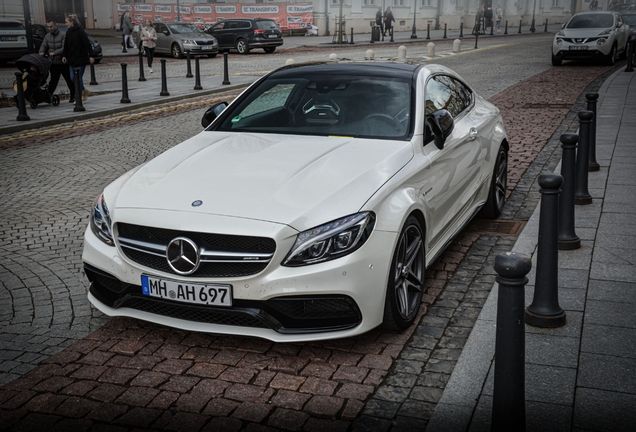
point(582, 375)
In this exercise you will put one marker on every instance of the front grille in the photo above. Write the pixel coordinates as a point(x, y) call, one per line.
point(244, 246)
point(314, 308)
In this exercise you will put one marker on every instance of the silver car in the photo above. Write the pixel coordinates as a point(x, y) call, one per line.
point(177, 38)
point(591, 35)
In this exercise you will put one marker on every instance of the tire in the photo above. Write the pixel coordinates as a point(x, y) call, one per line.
point(611, 57)
point(241, 46)
point(406, 277)
point(33, 105)
point(497, 191)
point(269, 50)
point(556, 61)
point(55, 100)
point(175, 49)
point(623, 54)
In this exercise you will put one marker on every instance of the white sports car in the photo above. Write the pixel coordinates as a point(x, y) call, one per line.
point(308, 209)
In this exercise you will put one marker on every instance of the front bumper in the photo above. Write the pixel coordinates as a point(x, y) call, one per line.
point(569, 50)
point(334, 299)
point(199, 49)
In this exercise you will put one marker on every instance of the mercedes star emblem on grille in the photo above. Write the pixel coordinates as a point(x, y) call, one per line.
point(183, 255)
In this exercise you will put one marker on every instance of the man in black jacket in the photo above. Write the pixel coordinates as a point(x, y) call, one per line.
point(53, 46)
point(77, 50)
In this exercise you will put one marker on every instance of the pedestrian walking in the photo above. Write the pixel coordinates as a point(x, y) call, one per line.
point(53, 47)
point(594, 5)
point(488, 18)
point(127, 29)
point(499, 14)
point(77, 51)
point(388, 21)
point(149, 42)
point(378, 19)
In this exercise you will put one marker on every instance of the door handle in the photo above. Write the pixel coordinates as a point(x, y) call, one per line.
point(472, 133)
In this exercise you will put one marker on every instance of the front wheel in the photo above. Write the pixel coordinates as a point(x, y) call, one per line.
point(55, 100)
point(611, 57)
point(176, 51)
point(241, 46)
point(406, 278)
point(269, 50)
point(498, 186)
point(556, 61)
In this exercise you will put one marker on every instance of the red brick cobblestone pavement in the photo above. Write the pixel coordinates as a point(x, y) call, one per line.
point(132, 375)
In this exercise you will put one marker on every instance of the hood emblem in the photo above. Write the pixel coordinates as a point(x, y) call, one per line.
point(182, 255)
point(197, 203)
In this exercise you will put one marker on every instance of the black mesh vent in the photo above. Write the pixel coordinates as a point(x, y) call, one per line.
point(214, 242)
point(195, 313)
point(315, 308)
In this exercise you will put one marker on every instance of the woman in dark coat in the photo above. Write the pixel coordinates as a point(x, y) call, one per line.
point(77, 50)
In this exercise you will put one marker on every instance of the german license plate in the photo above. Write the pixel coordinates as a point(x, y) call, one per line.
point(272, 36)
point(9, 38)
point(575, 48)
point(206, 47)
point(203, 294)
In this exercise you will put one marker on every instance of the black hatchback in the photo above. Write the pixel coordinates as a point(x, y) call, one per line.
point(245, 34)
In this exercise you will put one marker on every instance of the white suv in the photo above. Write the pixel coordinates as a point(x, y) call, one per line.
point(13, 40)
point(591, 35)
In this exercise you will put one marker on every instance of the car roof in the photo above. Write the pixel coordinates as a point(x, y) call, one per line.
point(597, 12)
point(391, 70)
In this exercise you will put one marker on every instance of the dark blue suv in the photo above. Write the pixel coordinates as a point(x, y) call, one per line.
point(244, 34)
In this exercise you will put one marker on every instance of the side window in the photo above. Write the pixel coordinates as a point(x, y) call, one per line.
point(219, 26)
point(160, 28)
point(245, 24)
point(231, 25)
point(275, 97)
point(444, 92)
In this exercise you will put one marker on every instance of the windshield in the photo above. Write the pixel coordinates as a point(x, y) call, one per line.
point(630, 20)
point(591, 21)
point(184, 28)
point(358, 106)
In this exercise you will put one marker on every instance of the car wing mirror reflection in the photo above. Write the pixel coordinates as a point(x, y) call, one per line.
point(441, 124)
point(212, 113)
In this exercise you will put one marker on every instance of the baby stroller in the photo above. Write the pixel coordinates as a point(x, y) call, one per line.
point(35, 72)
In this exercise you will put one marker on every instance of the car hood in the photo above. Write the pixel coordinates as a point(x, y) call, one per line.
point(582, 33)
point(194, 36)
point(295, 180)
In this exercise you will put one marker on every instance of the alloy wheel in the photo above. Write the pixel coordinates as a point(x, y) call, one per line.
point(409, 272)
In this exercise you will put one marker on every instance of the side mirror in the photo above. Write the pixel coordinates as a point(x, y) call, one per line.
point(563, 25)
point(166, 32)
point(212, 113)
point(441, 124)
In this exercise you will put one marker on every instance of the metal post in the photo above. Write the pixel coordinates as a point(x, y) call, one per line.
point(142, 77)
point(509, 395)
point(22, 113)
point(581, 194)
point(428, 31)
point(392, 28)
point(546, 26)
point(461, 30)
point(519, 27)
point(506, 29)
point(545, 310)
point(197, 80)
point(476, 39)
point(226, 79)
point(93, 79)
point(351, 43)
point(445, 25)
point(630, 57)
point(164, 79)
point(189, 65)
point(568, 240)
point(79, 103)
point(591, 106)
point(532, 29)
point(414, 29)
point(124, 84)
point(492, 28)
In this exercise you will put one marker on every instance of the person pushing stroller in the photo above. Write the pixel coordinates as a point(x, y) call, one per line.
point(35, 72)
point(53, 47)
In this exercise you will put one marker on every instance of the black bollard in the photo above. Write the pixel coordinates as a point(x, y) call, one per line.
point(461, 30)
point(509, 395)
point(568, 240)
point(476, 39)
point(545, 310)
point(93, 79)
point(591, 106)
point(22, 113)
point(164, 79)
point(197, 71)
point(546, 26)
point(226, 75)
point(506, 29)
point(124, 84)
point(391, 34)
point(189, 66)
point(444, 37)
point(351, 43)
point(581, 194)
point(428, 31)
point(492, 28)
point(630, 55)
point(519, 27)
point(79, 103)
point(142, 77)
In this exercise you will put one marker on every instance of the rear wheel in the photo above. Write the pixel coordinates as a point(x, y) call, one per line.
point(498, 185)
point(406, 278)
point(241, 46)
point(556, 61)
point(176, 51)
point(269, 50)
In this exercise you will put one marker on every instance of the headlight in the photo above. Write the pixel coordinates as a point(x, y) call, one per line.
point(559, 42)
point(601, 41)
point(100, 222)
point(188, 42)
point(560, 33)
point(331, 240)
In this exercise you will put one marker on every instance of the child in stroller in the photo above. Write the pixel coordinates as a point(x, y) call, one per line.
point(35, 72)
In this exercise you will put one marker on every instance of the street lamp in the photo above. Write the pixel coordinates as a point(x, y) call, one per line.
point(414, 30)
point(532, 29)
